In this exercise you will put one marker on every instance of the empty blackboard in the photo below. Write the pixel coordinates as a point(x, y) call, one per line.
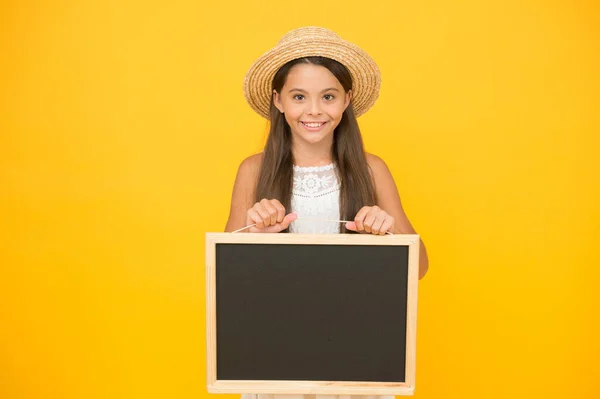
point(292, 313)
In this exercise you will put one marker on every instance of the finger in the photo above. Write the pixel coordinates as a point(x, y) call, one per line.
point(255, 229)
point(273, 229)
point(254, 217)
point(279, 227)
point(377, 223)
point(376, 228)
point(368, 223)
point(360, 217)
point(387, 225)
point(272, 211)
point(287, 220)
point(264, 214)
point(280, 210)
point(351, 226)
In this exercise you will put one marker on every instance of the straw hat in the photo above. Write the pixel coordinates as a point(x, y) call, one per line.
point(307, 42)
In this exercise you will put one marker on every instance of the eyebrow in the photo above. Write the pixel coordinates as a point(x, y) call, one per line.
point(304, 91)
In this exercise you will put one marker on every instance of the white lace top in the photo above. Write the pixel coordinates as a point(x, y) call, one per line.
point(316, 200)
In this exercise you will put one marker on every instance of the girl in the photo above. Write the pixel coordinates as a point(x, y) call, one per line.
point(313, 173)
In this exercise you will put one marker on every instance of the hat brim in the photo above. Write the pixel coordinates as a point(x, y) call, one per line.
point(366, 77)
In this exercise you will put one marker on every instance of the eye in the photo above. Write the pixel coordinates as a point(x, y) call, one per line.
point(298, 97)
point(329, 97)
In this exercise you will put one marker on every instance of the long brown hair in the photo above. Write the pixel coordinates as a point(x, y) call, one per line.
point(275, 179)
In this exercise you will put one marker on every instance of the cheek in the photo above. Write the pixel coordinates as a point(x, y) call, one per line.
point(290, 109)
point(338, 116)
point(291, 114)
point(289, 119)
point(338, 112)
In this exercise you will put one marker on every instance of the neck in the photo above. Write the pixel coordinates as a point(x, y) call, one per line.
point(311, 154)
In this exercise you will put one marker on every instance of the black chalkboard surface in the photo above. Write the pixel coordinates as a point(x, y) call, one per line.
point(291, 313)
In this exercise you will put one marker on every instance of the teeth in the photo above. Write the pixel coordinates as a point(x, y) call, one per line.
point(312, 124)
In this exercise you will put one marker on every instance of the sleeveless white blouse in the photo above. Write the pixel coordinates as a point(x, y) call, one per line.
point(316, 200)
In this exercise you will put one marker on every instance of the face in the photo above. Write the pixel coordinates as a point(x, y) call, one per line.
point(313, 102)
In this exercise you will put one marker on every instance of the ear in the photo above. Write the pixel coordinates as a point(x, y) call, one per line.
point(347, 99)
point(277, 101)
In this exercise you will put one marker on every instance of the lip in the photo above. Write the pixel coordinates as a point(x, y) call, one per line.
point(313, 129)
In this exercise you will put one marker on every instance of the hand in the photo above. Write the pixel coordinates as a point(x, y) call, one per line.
point(269, 216)
point(373, 220)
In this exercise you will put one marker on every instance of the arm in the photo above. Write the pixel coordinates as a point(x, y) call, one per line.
point(242, 197)
point(388, 198)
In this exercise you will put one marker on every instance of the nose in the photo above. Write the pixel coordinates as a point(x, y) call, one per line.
point(314, 108)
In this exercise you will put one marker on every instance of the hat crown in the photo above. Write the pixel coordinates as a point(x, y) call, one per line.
point(308, 32)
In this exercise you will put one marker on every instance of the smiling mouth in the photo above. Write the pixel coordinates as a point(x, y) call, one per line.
point(313, 125)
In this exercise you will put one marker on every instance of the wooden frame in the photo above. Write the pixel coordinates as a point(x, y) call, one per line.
point(312, 387)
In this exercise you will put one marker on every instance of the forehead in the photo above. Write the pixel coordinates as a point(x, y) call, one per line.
point(309, 76)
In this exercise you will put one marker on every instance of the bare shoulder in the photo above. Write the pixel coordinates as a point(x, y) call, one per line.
point(378, 167)
point(248, 170)
point(385, 186)
point(251, 165)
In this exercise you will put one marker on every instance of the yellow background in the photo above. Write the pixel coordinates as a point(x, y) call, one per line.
point(122, 124)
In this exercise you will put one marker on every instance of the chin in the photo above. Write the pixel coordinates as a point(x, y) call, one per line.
point(314, 138)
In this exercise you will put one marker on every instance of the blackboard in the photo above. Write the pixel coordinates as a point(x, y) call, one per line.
point(290, 313)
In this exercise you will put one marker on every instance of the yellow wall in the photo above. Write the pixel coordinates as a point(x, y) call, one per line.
point(121, 127)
